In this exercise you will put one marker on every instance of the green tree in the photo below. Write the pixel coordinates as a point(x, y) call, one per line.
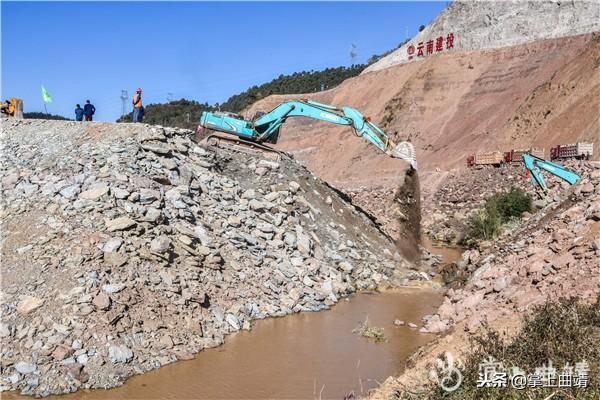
point(41, 115)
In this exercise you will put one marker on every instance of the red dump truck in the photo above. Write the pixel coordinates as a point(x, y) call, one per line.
point(576, 150)
point(516, 155)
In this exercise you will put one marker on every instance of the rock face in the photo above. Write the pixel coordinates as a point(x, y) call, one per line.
point(450, 203)
point(478, 25)
point(551, 255)
point(128, 247)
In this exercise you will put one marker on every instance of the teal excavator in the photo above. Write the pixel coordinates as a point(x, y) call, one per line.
point(265, 127)
point(535, 165)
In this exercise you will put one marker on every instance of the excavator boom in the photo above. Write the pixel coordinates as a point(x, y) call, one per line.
point(535, 166)
point(266, 127)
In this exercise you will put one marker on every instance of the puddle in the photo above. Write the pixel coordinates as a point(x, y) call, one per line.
point(449, 254)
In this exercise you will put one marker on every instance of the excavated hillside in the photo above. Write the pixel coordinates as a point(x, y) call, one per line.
point(450, 106)
point(126, 247)
point(477, 25)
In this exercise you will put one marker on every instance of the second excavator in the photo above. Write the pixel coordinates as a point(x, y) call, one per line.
point(535, 165)
point(265, 127)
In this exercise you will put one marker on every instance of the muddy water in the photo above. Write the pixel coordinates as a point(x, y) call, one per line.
point(303, 356)
point(449, 254)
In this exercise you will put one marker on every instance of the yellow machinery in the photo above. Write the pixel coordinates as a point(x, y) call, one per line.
point(12, 108)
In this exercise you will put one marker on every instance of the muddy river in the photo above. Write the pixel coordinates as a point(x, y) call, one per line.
point(302, 356)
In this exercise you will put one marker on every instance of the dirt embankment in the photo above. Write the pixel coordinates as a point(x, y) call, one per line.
point(126, 247)
point(453, 105)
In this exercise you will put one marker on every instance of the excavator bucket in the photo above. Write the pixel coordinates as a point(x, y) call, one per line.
point(405, 151)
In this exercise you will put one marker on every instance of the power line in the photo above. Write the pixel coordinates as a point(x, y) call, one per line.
point(353, 54)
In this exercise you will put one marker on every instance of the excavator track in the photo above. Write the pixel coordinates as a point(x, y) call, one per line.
point(244, 146)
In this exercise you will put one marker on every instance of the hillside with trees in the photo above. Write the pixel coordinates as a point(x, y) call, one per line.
point(298, 82)
point(178, 113)
point(186, 113)
point(41, 115)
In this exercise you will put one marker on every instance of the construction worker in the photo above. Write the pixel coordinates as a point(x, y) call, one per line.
point(138, 107)
point(78, 113)
point(89, 110)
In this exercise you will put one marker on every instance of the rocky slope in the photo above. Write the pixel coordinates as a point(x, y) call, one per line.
point(127, 247)
point(478, 25)
point(456, 195)
point(553, 254)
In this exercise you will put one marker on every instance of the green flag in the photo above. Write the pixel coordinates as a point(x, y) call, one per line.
point(46, 96)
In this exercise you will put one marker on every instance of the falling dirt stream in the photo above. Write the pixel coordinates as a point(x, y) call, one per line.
point(303, 356)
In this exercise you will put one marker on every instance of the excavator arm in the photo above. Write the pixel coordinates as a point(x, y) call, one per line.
point(269, 124)
point(535, 166)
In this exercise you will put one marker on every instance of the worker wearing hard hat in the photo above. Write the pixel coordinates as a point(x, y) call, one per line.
point(138, 107)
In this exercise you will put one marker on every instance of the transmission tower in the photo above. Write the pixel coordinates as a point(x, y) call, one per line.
point(169, 97)
point(124, 97)
point(353, 53)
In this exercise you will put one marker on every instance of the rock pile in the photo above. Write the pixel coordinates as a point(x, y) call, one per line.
point(447, 210)
point(127, 247)
point(553, 254)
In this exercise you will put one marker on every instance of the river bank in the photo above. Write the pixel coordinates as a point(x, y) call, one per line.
point(550, 254)
point(129, 247)
point(306, 355)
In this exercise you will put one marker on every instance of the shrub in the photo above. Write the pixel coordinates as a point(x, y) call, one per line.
point(512, 204)
point(565, 332)
point(486, 223)
point(497, 211)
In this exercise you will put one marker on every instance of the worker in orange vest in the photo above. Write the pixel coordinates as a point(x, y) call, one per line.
point(138, 107)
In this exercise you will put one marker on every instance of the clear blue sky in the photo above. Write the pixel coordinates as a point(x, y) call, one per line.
point(195, 50)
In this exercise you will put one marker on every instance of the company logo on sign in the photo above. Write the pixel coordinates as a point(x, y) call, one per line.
point(424, 49)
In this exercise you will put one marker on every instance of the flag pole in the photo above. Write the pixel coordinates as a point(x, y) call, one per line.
point(45, 108)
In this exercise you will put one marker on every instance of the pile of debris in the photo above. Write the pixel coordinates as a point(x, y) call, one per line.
point(553, 254)
point(447, 210)
point(127, 247)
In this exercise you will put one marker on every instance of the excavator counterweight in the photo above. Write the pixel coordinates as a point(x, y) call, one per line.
point(265, 128)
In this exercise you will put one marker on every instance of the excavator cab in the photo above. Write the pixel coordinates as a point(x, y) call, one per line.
point(257, 115)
